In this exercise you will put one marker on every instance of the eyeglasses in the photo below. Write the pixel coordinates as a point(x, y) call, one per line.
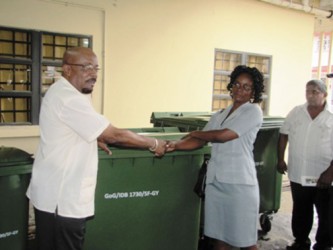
point(85, 67)
point(245, 87)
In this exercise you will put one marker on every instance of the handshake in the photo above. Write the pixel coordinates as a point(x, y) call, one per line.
point(188, 142)
point(162, 146)
point(158, 147)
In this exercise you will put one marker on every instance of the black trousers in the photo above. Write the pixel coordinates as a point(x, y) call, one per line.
point(331, 215)
point(54, 232)
point(304, 201)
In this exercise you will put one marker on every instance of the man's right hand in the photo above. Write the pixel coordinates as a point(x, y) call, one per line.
point(104, 147)
point(326, 178)
point(160, 149)
point(282, 167)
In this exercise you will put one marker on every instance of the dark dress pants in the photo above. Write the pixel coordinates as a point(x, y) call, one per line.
point(54, 232)
point(304, 199)
point(331, 215)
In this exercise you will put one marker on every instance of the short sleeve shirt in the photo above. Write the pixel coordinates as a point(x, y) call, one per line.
point(233, 162)
point(310, 142)
point(64, 172)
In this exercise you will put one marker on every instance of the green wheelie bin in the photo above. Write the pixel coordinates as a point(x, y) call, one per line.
point(15, 170)
point(265, 155)
point(146, 203)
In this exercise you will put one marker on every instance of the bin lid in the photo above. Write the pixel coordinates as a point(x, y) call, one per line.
point(155, 130)
point(156, 115)
point(11, 156)
point(199, 121)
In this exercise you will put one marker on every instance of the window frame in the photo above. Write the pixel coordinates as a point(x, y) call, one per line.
point(244, 60)
point(36, 63)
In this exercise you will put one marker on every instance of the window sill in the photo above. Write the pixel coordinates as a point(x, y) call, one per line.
point(19, 131)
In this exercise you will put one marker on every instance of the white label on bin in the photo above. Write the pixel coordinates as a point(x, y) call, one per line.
point(259, 163)
point(8, 234)
point(134, 194)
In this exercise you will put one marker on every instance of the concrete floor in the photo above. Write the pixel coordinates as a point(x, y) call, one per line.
point(280, 235)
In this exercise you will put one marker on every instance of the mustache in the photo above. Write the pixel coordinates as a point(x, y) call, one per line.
point(91, 80)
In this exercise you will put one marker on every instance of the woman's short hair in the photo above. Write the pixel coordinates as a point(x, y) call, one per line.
point(256, 76)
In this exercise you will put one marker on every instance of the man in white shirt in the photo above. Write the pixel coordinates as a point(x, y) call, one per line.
point(64, 172)
point(309, 130)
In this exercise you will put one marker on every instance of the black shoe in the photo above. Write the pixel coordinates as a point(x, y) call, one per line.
point(299, 246)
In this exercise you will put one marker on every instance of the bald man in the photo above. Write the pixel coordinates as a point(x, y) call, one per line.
point(64, 172)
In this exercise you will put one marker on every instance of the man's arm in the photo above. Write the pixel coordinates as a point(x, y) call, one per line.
point(281, 148)
point(326, 178)
point(127, 138)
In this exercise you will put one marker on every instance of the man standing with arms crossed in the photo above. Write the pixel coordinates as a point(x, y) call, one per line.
point(309, 130)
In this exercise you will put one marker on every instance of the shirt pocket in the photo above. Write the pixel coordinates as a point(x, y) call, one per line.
point(325, 130)
point(87, 191)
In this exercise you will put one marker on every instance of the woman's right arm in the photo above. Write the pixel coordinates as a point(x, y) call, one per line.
point(187, 143)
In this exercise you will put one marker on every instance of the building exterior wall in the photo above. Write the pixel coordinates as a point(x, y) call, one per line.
point(158, 55)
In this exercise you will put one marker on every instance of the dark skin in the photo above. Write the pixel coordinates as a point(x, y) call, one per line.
point(316, 100)
point(196, 139)
point(84, 79)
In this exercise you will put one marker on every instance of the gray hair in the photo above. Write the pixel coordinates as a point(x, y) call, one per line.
point(320, 84)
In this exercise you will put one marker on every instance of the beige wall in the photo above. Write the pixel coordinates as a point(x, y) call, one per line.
point(158, 55)
point(163, 52)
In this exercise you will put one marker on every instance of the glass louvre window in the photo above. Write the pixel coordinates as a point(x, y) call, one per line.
point(53, 49)
point(49, 75)
point(221, 98)
point(30, 61)
point(15, 110)
point(15, 43)
point(225, 62)
point(15, 77)
point(54, 45)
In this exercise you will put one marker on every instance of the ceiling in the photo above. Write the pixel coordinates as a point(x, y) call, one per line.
point(322, 23)
point(326, 4)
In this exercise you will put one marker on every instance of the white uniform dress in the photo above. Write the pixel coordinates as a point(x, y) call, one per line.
point(232, 193)
point(65, 168)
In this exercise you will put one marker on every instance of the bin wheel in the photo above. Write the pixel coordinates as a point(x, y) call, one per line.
point(265, 223)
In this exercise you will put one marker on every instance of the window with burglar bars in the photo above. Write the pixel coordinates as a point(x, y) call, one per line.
point(30, 61)
point(225, 62)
